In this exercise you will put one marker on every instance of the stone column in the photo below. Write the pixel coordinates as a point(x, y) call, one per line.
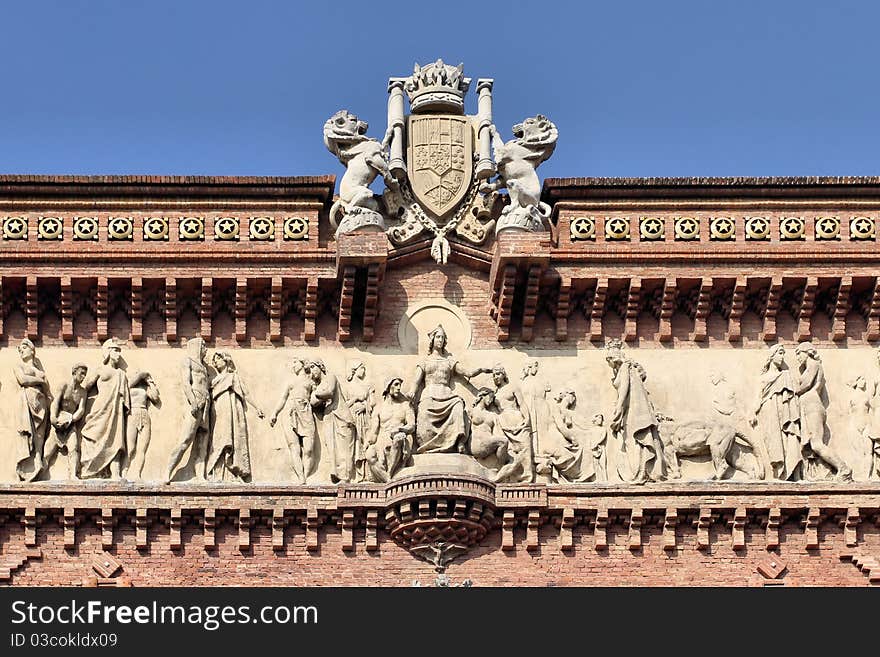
point(485, 165)
point(397, 164)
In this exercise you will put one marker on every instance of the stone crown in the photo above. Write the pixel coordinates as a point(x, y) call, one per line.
point(437, 87)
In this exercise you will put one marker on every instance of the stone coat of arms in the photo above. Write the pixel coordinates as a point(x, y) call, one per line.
point(438, 165)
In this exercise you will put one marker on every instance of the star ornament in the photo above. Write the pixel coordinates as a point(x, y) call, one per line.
point(296, 228)
point(120, 228)
point(792, 228)
point(156, 228)
point(192, 228)
point(50, 228)
point(861, 228)
point(15, 228)
point(226, 228)
point(757, 228)
point(827, 228)
point(687, 228)
point(85, 228)
point(617, 229)
point(651, 228)
point(721, 228)
point(583, 228)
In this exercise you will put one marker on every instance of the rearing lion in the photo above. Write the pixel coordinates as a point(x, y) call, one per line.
point(363, 157)
point(533, 143)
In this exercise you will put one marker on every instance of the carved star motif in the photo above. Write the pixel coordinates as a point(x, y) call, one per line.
point(120, 226)
point(758, 226)
point(15, 226)
point(617, 227)
point(86, 227)
point(155, 227)
point(262, 227)
point(653, 226)
point(827, 226)
point(688, 226)
point(226, 226)
point(862, 226)
point(191, 227)
point(792, 226)
point(297, 225)
point(51, 225)
point(723, 226)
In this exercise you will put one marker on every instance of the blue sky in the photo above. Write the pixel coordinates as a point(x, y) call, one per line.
point(635, 88)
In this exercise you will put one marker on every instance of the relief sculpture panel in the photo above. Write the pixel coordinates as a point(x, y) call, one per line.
point(606, 416)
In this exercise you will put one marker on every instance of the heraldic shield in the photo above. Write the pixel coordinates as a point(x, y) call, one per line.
point(441, 160)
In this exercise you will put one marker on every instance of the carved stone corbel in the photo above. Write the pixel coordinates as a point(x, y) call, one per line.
point(633, 306)
point(508, 522)
point(774, 520)
point(532, 531)
point(566, 529)
point(171, 309)
point(808, 304)
point(279, 522)
point(372, 537)
point(670, 523)
point(774, 295)
point(245, 522)
point(348, 523)
point(811, 528)
point(598, 309)
point(142, 524)
point(842, 307)
point(636, 519)
point(703, 525)
point(851, 526)
point(737, 308)
point(667, 309)
point(738, 528)
point(600, 529)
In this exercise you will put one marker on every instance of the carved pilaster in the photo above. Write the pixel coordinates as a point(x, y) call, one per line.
point(371, 300)
point(774, 294)
point(670, 523)
point(32, 308)
point(738, 528)
point(241, 299)
point(206, 309)
point(635, 529)
point(348, 522)
point(701, 313)
point(245, 522)
point(873, 329)
point(209, 528)
point(703, 524)
point(508, 522)
point(774, 520)
point(566, 529)
point(667, 308)
point(533, 285)
point(312, 524)
point(279, 522)
point(600, 529)
point(851, 527)
point(808, 304)
point(633, 306)
point(841, 309)
point(563, 305)
point(142, 524)
point(66, 308)
point(532, 528)
point(737, 308)
point(311, 310)
point(598, 309)
point(171, 309)
point(811, 528)
point(137, 308)
point(372, 538)
point(276, 298)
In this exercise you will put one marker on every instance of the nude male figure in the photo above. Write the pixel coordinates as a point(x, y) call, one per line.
point(66, 413)
point(196, 422)
point(300, 431)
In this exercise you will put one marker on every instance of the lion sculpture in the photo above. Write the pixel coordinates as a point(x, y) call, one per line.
point(533, 143)
point(364, 159)
point(697, 437)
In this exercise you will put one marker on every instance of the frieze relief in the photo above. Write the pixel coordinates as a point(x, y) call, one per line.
point(326, 415)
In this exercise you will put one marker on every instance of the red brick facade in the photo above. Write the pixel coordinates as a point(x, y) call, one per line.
point(564, 289)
